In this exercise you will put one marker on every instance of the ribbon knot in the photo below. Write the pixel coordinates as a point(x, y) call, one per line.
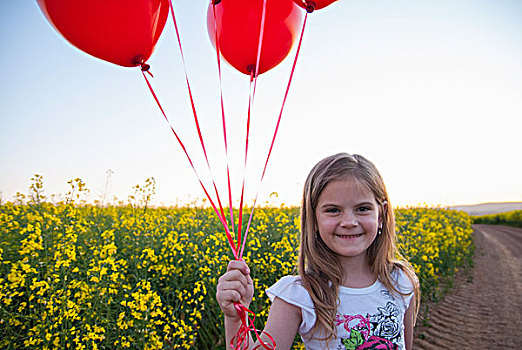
point(247, 325)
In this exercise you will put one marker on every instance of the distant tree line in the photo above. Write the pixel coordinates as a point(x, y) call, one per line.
point(510, 218)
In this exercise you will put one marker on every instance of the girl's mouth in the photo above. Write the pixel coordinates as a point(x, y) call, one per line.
point(349, 236)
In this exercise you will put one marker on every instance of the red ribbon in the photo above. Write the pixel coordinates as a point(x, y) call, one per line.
point(275, 133)
point(221, 218)
point(247, 322)
point(253, 78)
point(220, 213)
point(223, 119)
point(247, 325)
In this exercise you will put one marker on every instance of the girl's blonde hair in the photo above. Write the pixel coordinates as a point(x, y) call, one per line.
point(319, 267)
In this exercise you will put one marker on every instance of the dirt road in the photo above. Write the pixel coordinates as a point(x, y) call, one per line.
point(485, 313)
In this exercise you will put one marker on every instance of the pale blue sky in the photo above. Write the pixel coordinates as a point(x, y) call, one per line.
point(430, 91)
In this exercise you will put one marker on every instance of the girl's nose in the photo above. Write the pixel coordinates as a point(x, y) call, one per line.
point(349, 220)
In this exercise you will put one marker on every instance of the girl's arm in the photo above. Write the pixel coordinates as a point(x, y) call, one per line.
point(236, 285)
point(409, 323)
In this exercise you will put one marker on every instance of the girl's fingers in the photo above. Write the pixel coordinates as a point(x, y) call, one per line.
point(235, 275)
point(227, 297)
point(238, 265)
point(233, 286)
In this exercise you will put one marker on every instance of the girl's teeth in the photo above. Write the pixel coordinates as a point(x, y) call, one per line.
point(349, 236)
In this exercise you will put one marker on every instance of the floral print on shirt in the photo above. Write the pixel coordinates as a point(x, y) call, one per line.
point(379, 331)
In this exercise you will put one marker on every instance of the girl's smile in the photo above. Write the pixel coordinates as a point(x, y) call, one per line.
point(349, 236)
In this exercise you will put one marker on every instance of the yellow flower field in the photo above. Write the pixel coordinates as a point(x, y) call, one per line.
point(90, 277)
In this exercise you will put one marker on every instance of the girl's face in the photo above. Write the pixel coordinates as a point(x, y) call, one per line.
point(347, 217)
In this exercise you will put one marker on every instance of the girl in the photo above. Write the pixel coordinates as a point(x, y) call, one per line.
point(354, 290)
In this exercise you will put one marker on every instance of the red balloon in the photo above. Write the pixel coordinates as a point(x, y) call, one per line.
point(311, 5)
point(123, 32)
point(238, 26)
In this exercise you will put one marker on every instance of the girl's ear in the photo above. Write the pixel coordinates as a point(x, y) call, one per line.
point(384, 211)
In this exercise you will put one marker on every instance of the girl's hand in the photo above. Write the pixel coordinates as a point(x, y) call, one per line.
point(234, 286)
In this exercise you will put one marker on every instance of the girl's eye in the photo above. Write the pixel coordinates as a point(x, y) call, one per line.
point(364, 209)
point(332, 210)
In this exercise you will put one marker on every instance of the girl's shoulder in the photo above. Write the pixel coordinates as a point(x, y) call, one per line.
point(404, 278)
point(290, 287)
point(291, 290)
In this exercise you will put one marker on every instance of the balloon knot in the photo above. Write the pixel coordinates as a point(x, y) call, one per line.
point(143, 66)
point(251, 68)
point(310, 6)
point(215, 2)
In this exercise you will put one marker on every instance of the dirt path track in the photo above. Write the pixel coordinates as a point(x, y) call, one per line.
point(485, 313)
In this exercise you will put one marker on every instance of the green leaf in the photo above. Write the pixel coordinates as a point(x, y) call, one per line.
point(357, 336)
point(349, 344)
point(356, 339)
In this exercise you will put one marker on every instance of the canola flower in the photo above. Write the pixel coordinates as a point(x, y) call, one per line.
point(77, 276)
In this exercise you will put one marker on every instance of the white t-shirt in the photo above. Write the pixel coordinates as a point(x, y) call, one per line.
point(367, 318)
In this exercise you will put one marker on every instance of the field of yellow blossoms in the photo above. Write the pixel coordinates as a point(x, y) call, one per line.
point(77, 276)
